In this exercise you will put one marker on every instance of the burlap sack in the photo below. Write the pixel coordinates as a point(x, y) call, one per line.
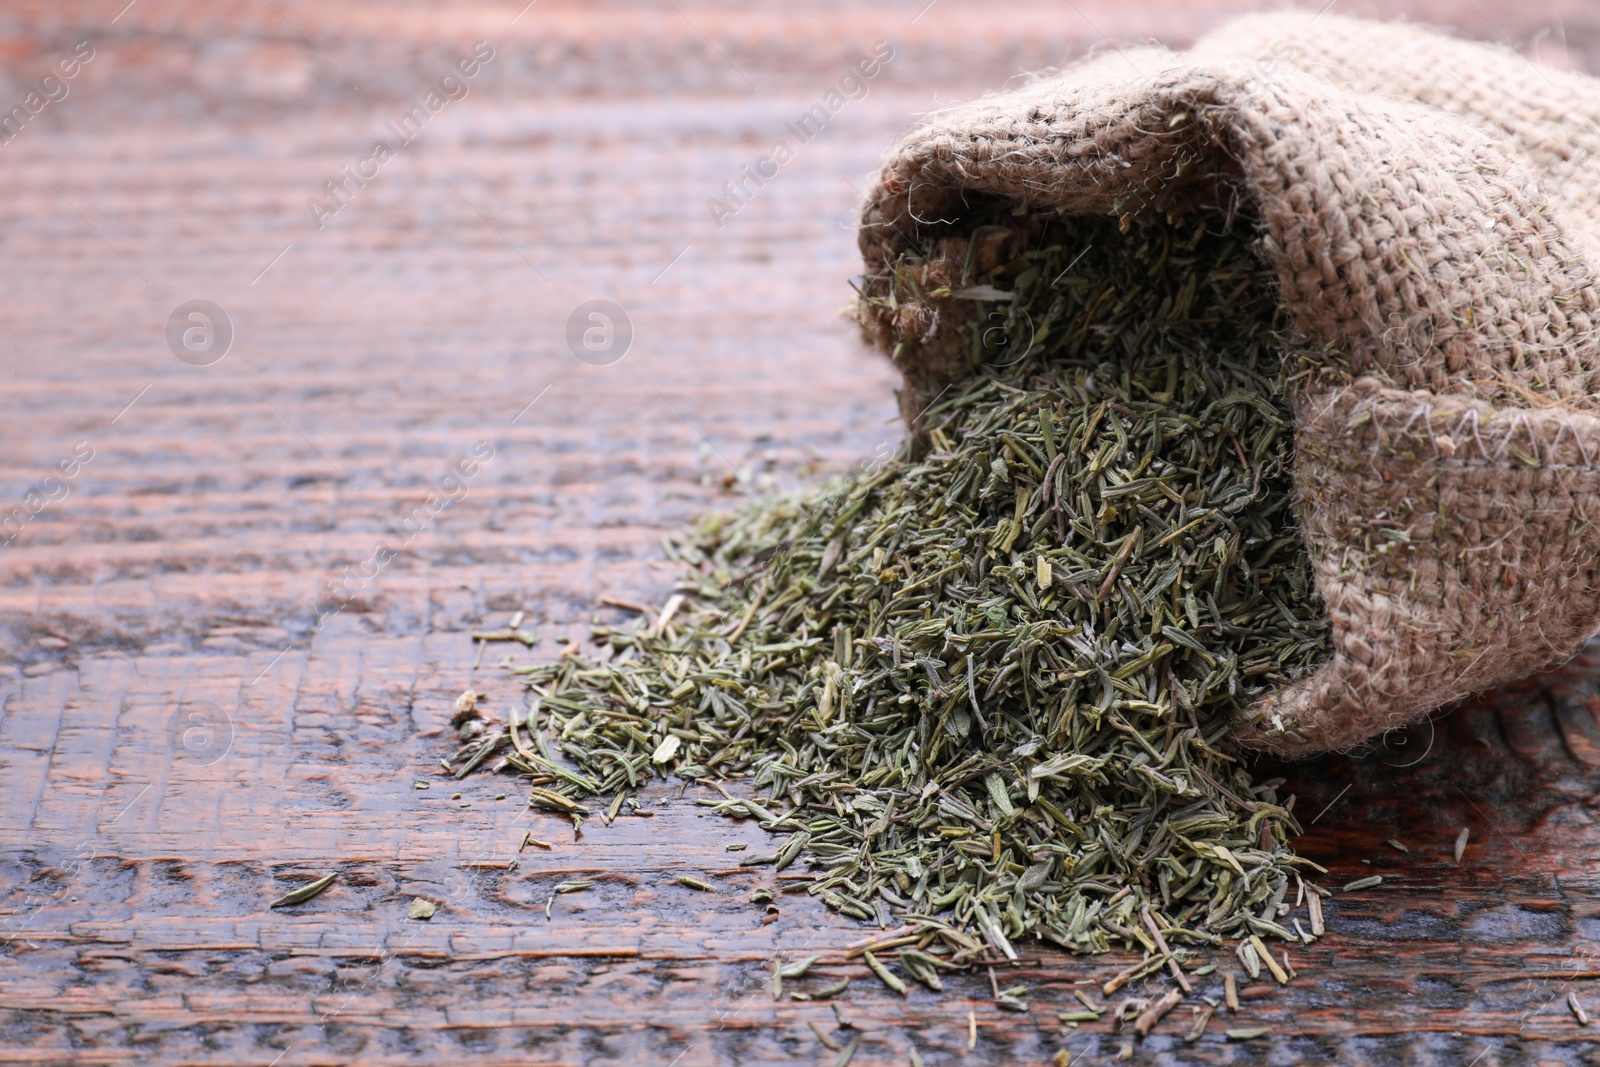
point(1430, 208)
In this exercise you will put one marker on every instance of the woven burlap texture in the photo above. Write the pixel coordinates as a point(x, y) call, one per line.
point(1429, 207)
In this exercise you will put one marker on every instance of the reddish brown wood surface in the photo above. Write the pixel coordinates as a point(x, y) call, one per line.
point(180, 573)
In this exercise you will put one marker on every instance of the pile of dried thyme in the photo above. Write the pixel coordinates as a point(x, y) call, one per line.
point(986, 688)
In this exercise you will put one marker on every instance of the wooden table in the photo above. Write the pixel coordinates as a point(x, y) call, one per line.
point(181, 741)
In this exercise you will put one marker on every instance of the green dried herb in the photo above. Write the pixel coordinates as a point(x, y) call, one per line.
point(305, 892)
point(923, 967)
point(825, 992)
point(797, 970)
point(1249, 1034)
point(782, 970)
point(886, 976)
point(986, 685)
point(563, 888)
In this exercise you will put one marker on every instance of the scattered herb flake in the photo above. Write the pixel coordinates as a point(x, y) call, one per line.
point(305, 892)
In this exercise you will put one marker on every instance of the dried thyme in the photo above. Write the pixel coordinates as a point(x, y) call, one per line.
point(985, 688)
point(305, 892)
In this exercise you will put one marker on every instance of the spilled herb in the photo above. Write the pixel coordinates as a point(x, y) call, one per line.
point(985, 688)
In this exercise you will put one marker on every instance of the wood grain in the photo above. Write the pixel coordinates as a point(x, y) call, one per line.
point(179, 576)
